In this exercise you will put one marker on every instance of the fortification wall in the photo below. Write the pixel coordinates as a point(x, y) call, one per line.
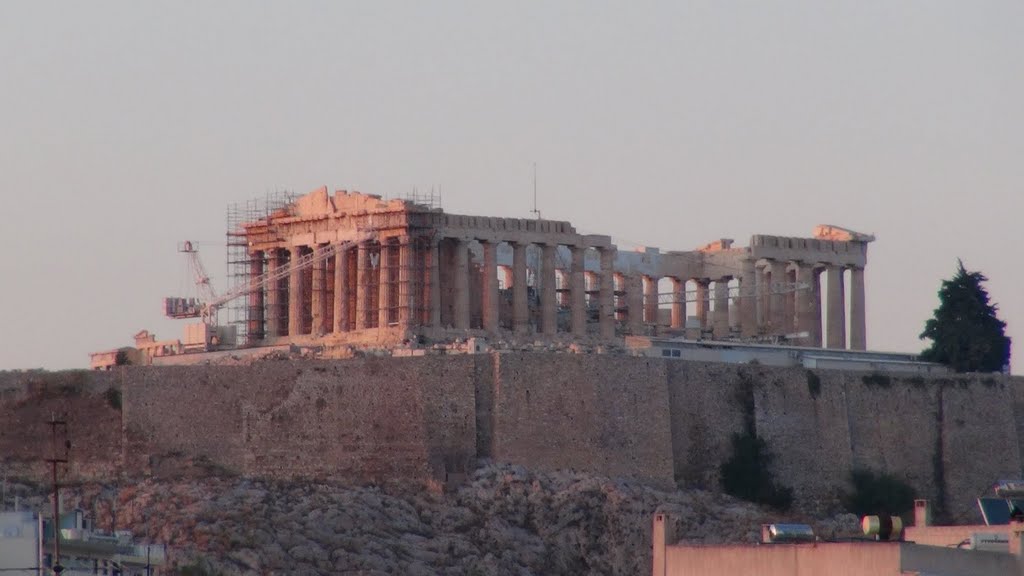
point(362, 420)
point(427, 418)
point(949, 438)
point(599, 414)
point(90, 404)
point(708, 403)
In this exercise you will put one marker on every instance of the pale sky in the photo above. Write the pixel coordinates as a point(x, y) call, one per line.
point(126, 127)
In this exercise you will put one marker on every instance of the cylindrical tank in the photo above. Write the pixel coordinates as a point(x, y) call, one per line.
point(790, 533)
point(884, 526)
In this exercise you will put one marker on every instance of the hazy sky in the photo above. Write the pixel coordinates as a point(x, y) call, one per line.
point(126, 127)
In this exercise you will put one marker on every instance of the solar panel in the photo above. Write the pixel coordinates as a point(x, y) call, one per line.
point(996, 511)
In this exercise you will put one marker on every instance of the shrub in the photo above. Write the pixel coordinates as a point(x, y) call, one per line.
point(813, 384)
point(746, 474)
point(878, 494)
point(880, 380)
point(113, 396)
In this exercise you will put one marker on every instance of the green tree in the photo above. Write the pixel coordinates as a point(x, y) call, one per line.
point(965, 332)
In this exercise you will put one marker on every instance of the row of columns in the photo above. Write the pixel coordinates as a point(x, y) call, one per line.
point(767, 302)
point(353, 283)
point(399, 282)
point(800, 310)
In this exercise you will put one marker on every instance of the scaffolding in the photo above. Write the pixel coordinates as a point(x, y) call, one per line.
point(430, 200)
point(241, 267)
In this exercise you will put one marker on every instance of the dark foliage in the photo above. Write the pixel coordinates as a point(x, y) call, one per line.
point(878, 494)
point(965, 332)
point(746, 474)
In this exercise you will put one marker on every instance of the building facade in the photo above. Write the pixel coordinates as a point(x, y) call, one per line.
point(352, 267)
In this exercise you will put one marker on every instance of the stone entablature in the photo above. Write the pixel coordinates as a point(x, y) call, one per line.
point(809, 250)
point(403, 269)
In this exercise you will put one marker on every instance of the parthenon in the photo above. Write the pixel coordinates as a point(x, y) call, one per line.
point(352, 267)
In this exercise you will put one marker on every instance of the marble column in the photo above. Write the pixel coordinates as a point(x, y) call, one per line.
point(489, 291)
point(363, 274)
point(341, 289)
point(460, 287)
point(703, 302)
point(434, 281)
point(385, 283)
point(274, 311)
point(295, 288)
point(858, 321)
point(607, 293)
point(777, 300)
point(721, 316)
point(548, 305)
point(635, 302)
point(651, 300)
point(748, 299)
point(836, 333)
point(808, 306)
point(816, 336)
point(577, 294)
point(789, 311)
point(764, 288)
point(406, 302)
point(520, 303)
point(678, 304)
point(254, 327)
point(319, 293)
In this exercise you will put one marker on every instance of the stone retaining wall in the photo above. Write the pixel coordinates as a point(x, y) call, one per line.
point(430, 419)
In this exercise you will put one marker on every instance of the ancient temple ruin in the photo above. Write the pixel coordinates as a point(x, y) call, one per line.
point(354, 268)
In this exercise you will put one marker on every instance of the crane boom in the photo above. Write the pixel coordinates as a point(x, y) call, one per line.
point(211, 306)
point(202, 279)
point(209, 302)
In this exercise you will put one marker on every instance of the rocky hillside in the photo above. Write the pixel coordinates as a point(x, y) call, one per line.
point(504, 520)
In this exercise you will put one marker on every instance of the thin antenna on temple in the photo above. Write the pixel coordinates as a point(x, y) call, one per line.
point(535, 210)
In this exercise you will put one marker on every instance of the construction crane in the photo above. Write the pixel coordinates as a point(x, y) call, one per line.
point(208, 302)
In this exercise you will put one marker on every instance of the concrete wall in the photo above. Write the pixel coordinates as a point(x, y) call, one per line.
point(835, 558)
point(426, 418)
point(839, 559)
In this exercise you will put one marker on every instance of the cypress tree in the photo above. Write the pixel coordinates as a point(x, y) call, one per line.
point(965, 332)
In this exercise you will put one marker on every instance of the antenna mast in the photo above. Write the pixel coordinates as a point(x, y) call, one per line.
point(54, 461)
point(535, 210)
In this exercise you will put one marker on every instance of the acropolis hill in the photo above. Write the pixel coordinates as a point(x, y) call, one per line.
point(387, 278)
point(379, 277)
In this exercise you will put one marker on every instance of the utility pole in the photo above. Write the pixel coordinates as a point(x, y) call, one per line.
point(54, 461)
